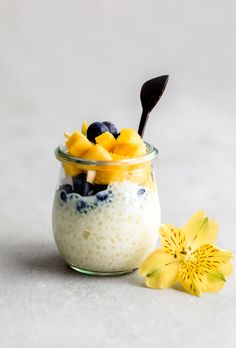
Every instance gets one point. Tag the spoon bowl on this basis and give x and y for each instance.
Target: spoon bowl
(150, 94)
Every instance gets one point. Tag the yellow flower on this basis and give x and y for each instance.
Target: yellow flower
(188, 256)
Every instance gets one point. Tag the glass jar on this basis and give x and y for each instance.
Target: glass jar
(106, 215)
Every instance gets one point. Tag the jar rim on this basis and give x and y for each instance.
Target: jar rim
(62, 155)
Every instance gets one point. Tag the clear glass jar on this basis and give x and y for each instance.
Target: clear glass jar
(106, 215)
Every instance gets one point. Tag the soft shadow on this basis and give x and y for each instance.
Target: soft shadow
(43, 259)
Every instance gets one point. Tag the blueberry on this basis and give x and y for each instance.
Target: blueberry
(141, 191)
(82, 186)
(67, 188)
(98, 188)
(112, 128)
(95, 129)
(81, 206)
(63, 196)
(102, 196)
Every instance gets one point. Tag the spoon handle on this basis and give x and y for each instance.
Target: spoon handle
(142, 123)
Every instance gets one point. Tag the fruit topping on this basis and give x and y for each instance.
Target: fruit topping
(129, 135)
(107, 140)
(95, 129)
(78, 144)
(102, 196)
(141, 191)
(67, 188)
(63, 196)
(81, 186)
(130, 150)
(112, 128)
(98, 153)
(82, 206)
(98, 188)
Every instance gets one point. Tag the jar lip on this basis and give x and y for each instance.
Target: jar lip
(62, 155)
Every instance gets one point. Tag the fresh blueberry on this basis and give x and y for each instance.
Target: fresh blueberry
(141, 191)
(102, 196)
(95, 129)
(81, 206)
(82, 186)
(112, 128)
(67, 188)
(63, 196)
(98, 188)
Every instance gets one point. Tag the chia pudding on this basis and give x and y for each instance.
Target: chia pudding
(110, 231)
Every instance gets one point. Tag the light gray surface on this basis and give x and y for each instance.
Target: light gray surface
(62, 61)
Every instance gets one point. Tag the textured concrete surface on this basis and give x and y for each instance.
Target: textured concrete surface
(62, 61)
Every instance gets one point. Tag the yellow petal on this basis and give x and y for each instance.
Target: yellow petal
(208, 258)
(160, 270)
(200, 230)
(226, 269)
(173, 241)
(215, 281)
(213, 286)
(190, 278)
(163, 278)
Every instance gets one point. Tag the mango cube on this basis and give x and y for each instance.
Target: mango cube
(107, 140)
(129, 135)
(98, 153)
(78, 144)
(130, 150)
(71, 169)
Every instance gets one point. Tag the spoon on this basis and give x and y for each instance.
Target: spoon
(150, 94)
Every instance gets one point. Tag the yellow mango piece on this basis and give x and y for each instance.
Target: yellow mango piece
(116, 157)
(84, 128)
(110, 175)
(130, 150)
(129, 135)
(107, 140)
(97, 153)
(72, 138)
(79, 146)
(71, 169)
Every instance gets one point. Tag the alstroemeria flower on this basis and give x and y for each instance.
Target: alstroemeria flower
(188, 256)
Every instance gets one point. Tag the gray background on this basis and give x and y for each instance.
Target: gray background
(65, 60)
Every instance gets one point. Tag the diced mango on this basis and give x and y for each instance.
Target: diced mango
(130, 150)
(129, 135)
(78, 145)
(107, 140)
(71, 169)
(110, 175)
(74, 137)
(98, 153)
(116, 157)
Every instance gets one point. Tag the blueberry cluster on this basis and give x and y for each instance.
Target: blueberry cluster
(82, 205)
(81, 186)
(97, 128)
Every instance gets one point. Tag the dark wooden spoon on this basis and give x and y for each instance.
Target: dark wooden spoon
(151, 92)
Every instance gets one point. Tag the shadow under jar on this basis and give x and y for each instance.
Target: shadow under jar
(106, 215)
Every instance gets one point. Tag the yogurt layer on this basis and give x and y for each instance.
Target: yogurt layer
(111, 231)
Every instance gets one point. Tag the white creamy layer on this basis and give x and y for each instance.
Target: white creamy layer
(115, 234)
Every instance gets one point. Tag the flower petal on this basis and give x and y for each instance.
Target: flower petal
(215, 281)
(173, 241)
(160, 270)
(163, 278)
(208, 258)
(200, 230)
(190, 278)
(226, 269)
(158, 258)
